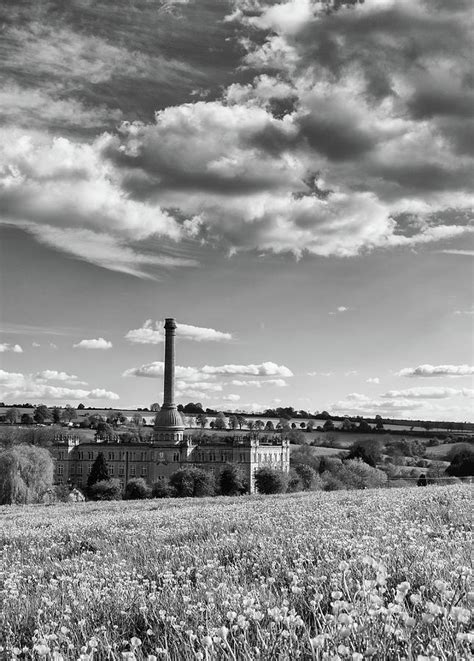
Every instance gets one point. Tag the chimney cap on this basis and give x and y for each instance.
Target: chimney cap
(170, 323)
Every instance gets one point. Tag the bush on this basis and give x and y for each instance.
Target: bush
(192, 482)
(368, 451)
(137, 489)
(462, 463)
(269, 480)
(294, 482)
(105, 490)
(307, 476)
(356, 474)
(162, 490)
(230, 481)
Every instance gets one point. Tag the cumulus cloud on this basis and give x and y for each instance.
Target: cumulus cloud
(153, 333)
(99, 343)
(210, 372)
(374, 379)
(437, 371)
(15, 348)
(231, 398)
(253, 383)
(14, 385)
(54, 375)
(344, 138)
(320, 373)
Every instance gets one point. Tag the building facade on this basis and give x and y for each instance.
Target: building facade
(171, 448)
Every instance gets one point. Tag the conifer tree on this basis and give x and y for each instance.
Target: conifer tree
(99, 471)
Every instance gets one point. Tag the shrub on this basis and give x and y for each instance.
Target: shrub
(230, 481)
(356, 474)
(137, 489)
(105, 490)
(269, 480)
(307, 476)
(294, 482)
(462, 463)
(99, 471)
(192, 482)
(369, 451)
(161, 490)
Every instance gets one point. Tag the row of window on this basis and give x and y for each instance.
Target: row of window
(111, 469)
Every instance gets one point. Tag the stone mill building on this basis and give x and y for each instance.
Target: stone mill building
(172, 446)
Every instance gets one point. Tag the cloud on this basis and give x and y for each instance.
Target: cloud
(15, 348)
(231, 398)
(437, 371)
(428, 393)
(374, 379)
(464, 311)
(339, 310)
(467, 253)
(98, 343)
(320, 373)
(15, 385)
(351, 373)
(153, 333)
(54, 375)
(263, 369)
(253, 383)
(35, 344)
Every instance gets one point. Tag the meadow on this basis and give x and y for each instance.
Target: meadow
(379, 574)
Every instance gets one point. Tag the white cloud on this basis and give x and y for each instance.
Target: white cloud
(98, 343)
(15, 348)
(263, 369)
(428, 392)
(320, 373)
(54, 375)
(152, 332)
(231, 398)
(437, 371)
(254, 383)
(340, 310)
(35, 344)
(15, 385)
(374, 379)
(464, 311)
(466, 253)
(350, 373)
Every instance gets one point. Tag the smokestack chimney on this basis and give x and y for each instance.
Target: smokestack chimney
(168, 394)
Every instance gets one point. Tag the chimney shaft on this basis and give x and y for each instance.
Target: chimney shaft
(168, 395)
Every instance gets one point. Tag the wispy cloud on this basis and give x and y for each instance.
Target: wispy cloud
(152, 332)
(437, 371)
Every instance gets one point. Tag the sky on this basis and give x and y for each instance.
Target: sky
(292, 181)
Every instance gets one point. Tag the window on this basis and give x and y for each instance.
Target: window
(91, 455)
(143, 456)
(132, 471)
(111, 456)
(111, 471)
(176, 456)
(80, 455)
(144, 471)
(79, 470)
(242, 457)
(121, 470)
(60, 454)
(60, 469)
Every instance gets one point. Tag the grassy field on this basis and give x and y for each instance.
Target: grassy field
(347, 575)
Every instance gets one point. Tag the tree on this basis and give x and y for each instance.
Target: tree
(201, 420)
(240, 420)
(12, 416)
(230, 481)
(26, 472)
(328, 425)
(220, 422)
(99, 471)
(283, 424)
(26, 419)
(269, 426)
(462, 463)
(294, 482)
(115, 417)
(137, 419)
(161, 489)
(378, 423)
(192, 482)
(136, 489)
(250, 424)
(269, 480)
(56, 415)
(103, 429)
(307, 476)
(296, 437)
(233, 422)
(356, 474)
(80, 407)
(368, 451)
(310, 425)
(41, 414)
(364, 427)
(69, 413)
(155, 407)
(346, 425)
(105, 490)
(259, 425)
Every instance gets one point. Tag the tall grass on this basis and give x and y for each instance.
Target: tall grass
(346, 575)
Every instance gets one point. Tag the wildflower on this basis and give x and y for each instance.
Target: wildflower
(135, 642)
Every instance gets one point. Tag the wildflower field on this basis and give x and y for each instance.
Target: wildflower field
(376, 574)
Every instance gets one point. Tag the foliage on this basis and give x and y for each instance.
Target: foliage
(56, 415)
(233, 422)
(69, 413)
(161, 489)
(328, 425)
(26, 472)
(26, 419)
(314, 576)
(201, 420)
(296, 436)
(105, 490)
(155, 407)
(136, 489)
(220, 422)
(41, 414)
(99, 471)
(192, 482)
(307, 476)
(12, 416)
(230, 480)
(462, 463)
(356, 474)
(366, 450)
(269, 480)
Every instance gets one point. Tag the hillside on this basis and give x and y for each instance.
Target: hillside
(379, 574)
